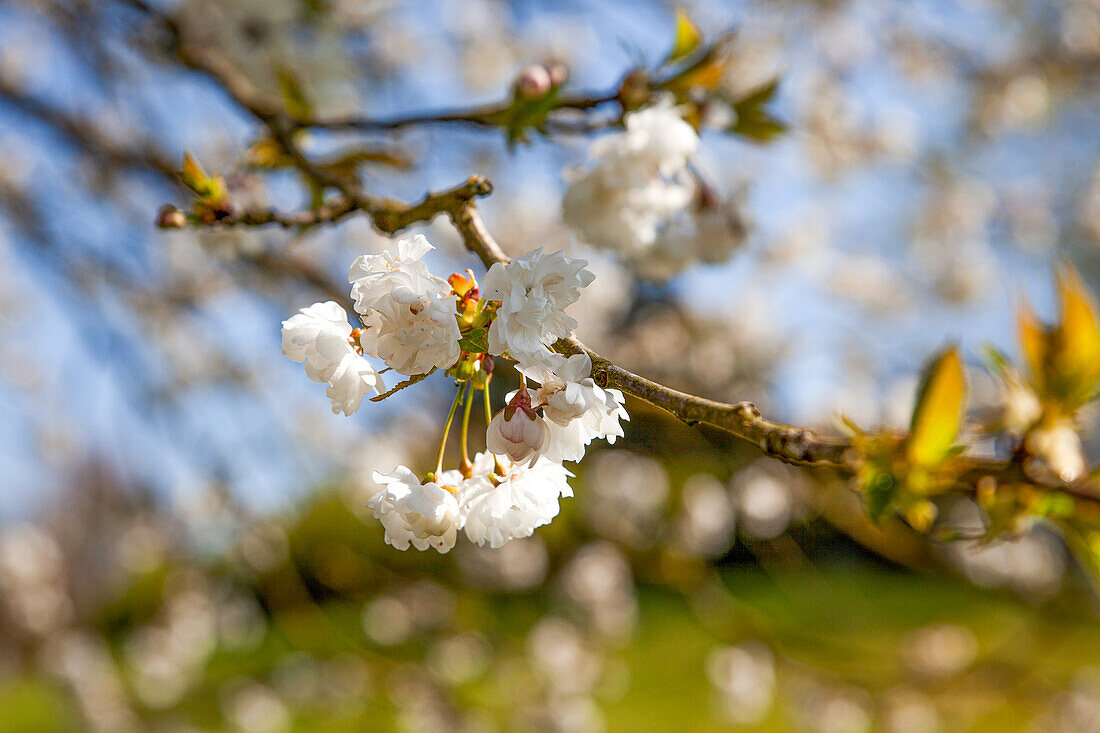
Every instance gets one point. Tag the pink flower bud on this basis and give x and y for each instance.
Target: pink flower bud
(533, 82)
(518, 431)
(558, 74)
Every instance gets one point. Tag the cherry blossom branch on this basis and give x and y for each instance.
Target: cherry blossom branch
(388, 215)
(791, 444)
(787, 443)
(482, 117)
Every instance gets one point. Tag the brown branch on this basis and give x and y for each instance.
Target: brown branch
(389, 216)
(484, 117)
(171, 217)
(787, 443)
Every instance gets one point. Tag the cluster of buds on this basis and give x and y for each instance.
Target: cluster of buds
(536, 81)
(475, 315)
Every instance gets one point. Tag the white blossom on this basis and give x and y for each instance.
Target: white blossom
(706, 234)
(640, 179)
(321, 336)
(627, 219)
(413, 332)
(567, 389)
(524, 498)
(427, 515)
(600, 421)
(409, 314)
(373, 277)
(658, 137)
(534, 291)
(352, 378)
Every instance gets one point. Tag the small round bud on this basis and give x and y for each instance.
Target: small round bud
(558, 74)
(533, 82)
(465, 369)
(634, 91)
(169, 217)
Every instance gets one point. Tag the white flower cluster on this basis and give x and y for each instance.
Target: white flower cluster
(321, 336)
(500, 501)
(534, 290)
(414, 322)
(640, 180)
(707, 233)
(409, 314)
(408, 322)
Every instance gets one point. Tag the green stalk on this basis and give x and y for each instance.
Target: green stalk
(446, 430)
(466, 427)
(488, 407)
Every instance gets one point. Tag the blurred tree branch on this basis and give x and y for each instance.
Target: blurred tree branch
(86, 135)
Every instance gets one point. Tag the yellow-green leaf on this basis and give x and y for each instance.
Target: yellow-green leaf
(687, 40)
(294, 97)
(1077, 360)
(475, 342)
(193, 175)
(705, 74)
(266, 153)
(1033, 343)
(939, 410)
(751, 119)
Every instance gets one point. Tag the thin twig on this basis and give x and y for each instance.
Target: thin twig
(414, 379)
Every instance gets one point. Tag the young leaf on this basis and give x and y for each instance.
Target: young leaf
(759, 96)
(1033, 342)
(705, 74)
(995, 360)
(1077, 360)
(294, 97)
(475, 342)
(752, 120)
(879, 495)
(939, 410)
(192, 175)
(687, 40)
(759, 126)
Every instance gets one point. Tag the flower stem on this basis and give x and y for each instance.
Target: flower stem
(466, 465)
(488, 407)
(446, 431)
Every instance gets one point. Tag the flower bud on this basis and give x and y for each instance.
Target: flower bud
(481, 376)
(533, 82)
(558, 74)
(462, 284)
(634, 91)
(465, 368)
(517, 431)
(169, 217)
